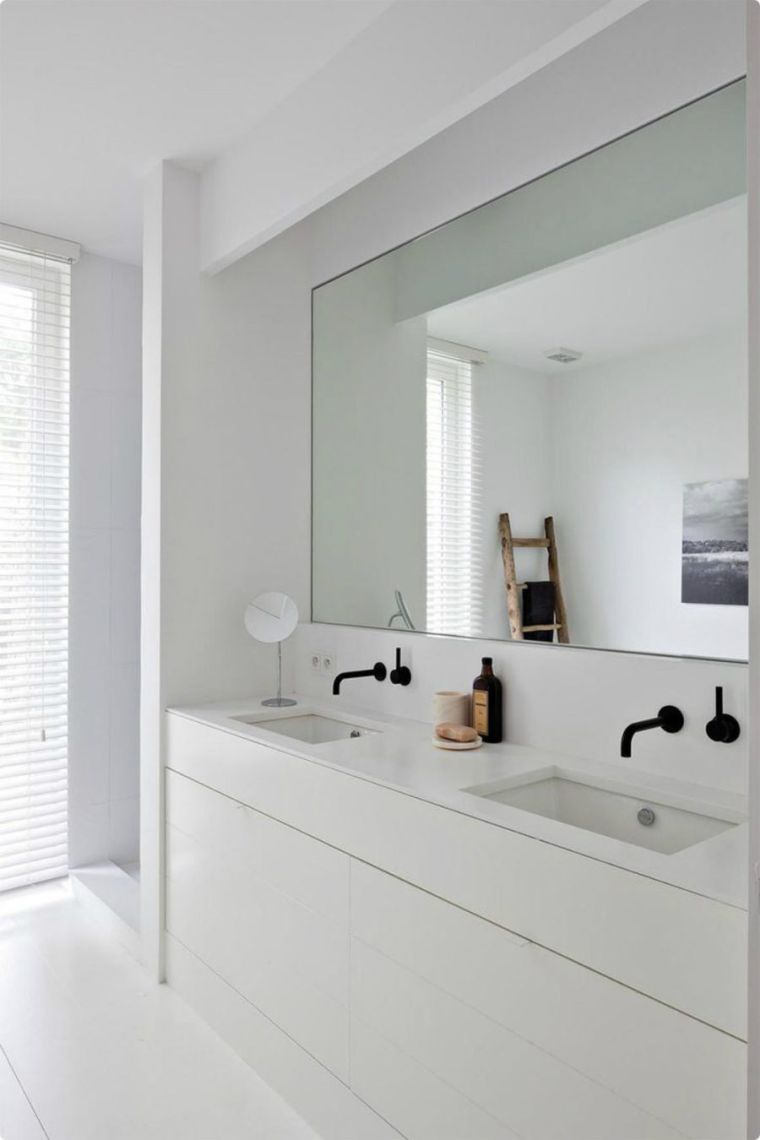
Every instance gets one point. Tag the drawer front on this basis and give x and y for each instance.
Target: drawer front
(325, 1102)
(267, 909)
(685, 950)
(518, 1085)
(547, 1046)
(416, 1102)
(292, 863)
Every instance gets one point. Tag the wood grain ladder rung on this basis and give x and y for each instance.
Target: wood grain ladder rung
(540, 628)
(544, 542)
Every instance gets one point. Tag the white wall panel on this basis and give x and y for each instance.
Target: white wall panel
(104, 620)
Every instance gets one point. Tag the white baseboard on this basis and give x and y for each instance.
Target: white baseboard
(113, 897)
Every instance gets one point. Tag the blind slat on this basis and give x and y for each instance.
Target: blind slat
(453, 590)
(34, 460)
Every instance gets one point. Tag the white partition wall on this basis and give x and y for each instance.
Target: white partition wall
(170, 319)
(225, 508)
(104, 571)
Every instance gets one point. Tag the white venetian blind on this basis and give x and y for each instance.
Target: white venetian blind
(453, 585)
(34, 509)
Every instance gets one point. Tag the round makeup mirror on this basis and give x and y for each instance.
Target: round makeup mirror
(273, 617)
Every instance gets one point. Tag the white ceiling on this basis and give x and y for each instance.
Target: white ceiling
(93, 93)
(672, 284)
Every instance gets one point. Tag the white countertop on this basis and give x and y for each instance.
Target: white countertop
(400, 755)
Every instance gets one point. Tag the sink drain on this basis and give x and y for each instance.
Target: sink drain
(646, 816)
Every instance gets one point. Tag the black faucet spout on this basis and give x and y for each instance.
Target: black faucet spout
(378, 671)
(669, 719)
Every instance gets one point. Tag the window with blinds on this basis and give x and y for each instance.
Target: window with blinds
(34, 506)
(453, 586)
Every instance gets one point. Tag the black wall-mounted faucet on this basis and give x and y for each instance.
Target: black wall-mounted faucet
(402, 674)
(669, 719)
(378, 671)
(723, 728)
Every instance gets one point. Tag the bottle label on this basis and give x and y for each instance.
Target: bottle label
(480, 712)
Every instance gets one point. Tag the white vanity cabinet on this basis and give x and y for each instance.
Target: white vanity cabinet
(450, 1023)
(265, 907)
(540, 1044)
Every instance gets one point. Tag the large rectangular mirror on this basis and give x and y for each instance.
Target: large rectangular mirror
(531, 423)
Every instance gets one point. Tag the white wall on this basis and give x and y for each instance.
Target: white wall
(104, 617)
(225, 506)
(512, 422)
(626, 436)
(572, 701)
(236, 506)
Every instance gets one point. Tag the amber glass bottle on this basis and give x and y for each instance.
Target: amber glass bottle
(487, 704)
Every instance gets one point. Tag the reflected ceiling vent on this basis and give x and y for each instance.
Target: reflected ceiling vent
(563, 355)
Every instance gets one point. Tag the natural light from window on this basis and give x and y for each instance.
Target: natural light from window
(453, 578)
(34, 504)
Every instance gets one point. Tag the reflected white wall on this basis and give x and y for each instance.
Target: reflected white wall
(626, 436)
(369, 470)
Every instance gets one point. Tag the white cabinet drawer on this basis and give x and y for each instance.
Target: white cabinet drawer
(267, 909)
(515, 1083)
(289, 861)
(548, 1047)
(410, 1097)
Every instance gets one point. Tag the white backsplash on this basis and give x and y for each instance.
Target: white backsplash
(574, 701)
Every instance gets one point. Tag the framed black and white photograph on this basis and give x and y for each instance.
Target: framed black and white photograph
(715, 550)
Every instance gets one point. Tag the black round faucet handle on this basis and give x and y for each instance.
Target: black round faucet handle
(723, 728)
(402, 674)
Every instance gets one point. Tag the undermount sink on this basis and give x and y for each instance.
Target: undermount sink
(309, 727)
(625, 813)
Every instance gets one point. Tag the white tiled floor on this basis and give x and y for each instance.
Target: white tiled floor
(92, 1049)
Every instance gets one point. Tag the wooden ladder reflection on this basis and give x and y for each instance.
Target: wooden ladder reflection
(514, 608)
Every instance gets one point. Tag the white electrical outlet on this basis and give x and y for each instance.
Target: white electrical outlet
(329, 664)
(316, 663)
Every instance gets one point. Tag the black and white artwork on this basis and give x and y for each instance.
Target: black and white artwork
(715, 558)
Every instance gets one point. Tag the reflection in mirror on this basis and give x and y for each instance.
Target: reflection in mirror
(531, 422)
